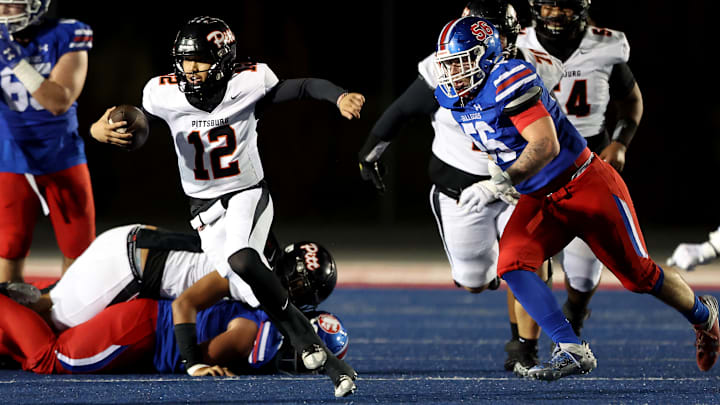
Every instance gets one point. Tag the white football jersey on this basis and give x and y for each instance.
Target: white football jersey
(584, 90)
(217, 151)
(451, 144)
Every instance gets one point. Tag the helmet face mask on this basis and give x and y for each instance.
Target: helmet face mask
(309, 273)
(560, 19)
(467, 51)
(31, 14)
(208, 40)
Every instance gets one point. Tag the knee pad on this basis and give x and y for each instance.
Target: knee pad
(582, 284)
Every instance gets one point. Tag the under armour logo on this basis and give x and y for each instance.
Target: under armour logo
(43, 48)
(9, 54)
(477, 107)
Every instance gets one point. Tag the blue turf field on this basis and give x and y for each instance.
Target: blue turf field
(435, 347)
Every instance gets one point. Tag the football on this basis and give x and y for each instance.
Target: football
(137, 124)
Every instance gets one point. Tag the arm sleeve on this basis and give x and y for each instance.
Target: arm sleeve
(622, 81)
(418, 99)
(300, 89)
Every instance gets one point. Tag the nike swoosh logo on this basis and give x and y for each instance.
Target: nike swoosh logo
(287, 301)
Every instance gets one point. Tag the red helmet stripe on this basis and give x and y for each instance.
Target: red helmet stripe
(443, 34)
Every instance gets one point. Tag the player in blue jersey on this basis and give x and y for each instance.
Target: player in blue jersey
(137, 336)
(565, 192)
(43, 64)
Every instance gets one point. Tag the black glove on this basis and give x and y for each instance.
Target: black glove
(373, 171)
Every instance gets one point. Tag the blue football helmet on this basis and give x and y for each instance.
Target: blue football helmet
(331, 331)
(33, 12)
(570, 21)
(467, 50)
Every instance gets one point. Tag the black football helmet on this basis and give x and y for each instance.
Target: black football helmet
(502, 15)
(309, 273)
(560, 26)
(209, 40)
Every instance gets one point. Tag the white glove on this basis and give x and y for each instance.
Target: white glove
(507, 193)
(688, 255)
(480, 194)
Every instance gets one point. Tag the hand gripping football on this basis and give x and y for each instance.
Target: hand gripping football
(137, 124)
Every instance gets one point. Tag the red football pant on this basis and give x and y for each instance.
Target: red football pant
(72, 211)
(121, 337)
(596, 206)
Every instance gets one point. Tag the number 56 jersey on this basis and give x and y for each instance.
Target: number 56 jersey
(217, 151)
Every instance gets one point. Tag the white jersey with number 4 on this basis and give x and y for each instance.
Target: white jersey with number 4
(584, 91)
(217, 151)
(451, 144)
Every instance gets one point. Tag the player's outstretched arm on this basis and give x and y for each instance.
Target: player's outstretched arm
(103, 131)
(348, 103)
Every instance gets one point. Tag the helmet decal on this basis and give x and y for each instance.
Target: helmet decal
(308, 272)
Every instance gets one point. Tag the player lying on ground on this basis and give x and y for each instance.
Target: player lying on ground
(132, 261)
(138, 336)
(565, 192)
(211, 105)
(141, 261)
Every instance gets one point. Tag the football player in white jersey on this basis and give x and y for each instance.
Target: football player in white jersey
(596, 73)
(211, 105)
(688, 255)
(127, 262)
(471, 238)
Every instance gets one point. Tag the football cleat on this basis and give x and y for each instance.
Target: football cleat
(521, 352)
(707, 336)
(314, 357)
(342, 375)
(22, 293)
(344, 386)
(567, 359)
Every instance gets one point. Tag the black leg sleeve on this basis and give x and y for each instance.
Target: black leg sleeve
(274, 299)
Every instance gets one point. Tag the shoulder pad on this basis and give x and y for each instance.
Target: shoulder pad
(525, 101)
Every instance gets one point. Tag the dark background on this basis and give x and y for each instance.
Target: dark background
(309, 151)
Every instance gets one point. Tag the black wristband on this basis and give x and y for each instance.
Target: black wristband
(624, 131)
(186, 338)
